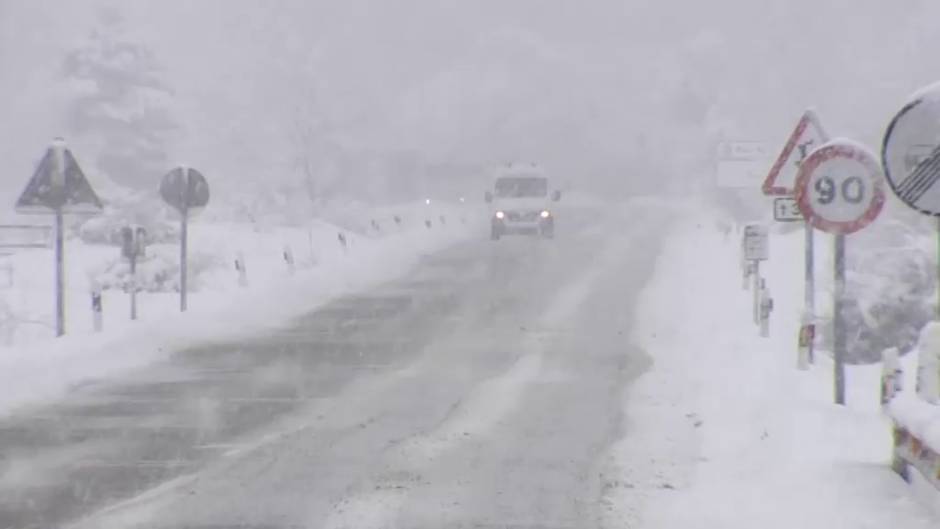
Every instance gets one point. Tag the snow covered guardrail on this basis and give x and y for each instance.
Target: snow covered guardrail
(916, 415)
(916, 438)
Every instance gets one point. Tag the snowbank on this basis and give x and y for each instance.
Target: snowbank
(724, 431)
(919, 419)
(35, 367)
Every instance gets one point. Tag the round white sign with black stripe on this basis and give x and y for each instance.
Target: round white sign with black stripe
(910, 154)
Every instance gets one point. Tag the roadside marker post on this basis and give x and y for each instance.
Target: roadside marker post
(781, 182)
(766, 307)
(185, 190)
(134, 242)
(289, 259)
(756, 249)
(59, 187)
(96, 308)
(242, 270)
(839, 191)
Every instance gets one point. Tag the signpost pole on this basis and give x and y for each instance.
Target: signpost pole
(839, 191)
(183, 272)
(809, 292)
(838, 319)
(59, 273)
(133, 287)
(756, 288)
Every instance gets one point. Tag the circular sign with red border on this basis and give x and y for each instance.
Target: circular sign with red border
(839, 187)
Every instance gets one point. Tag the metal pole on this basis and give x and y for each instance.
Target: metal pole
(838, 321)
(809, 292)
(133, 287)
(756, 288)
(938, 267)
(183, 272)
(59, 273)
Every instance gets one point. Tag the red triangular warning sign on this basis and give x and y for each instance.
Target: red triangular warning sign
(807, 135)
(52, 188)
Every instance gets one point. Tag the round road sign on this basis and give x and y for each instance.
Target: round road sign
(185, 189)
(910, 154)
(839, 187)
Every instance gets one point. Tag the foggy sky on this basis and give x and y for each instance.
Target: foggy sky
(607, 93)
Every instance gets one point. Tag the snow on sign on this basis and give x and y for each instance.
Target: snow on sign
(756, 244)
(807, 135)
(910, 155)
(839, 187)
(58, 185)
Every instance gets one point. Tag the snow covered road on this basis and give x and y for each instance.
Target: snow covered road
(483, 389)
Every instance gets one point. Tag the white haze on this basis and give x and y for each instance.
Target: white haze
(610, 95)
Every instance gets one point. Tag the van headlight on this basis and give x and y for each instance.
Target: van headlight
(500, 215)
(546, 213)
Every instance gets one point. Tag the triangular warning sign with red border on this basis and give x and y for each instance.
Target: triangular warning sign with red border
(807, 135)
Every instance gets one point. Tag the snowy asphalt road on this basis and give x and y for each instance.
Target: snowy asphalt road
(480, 391)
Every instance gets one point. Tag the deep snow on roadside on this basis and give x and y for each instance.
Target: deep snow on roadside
(724, 431)
(36, 367)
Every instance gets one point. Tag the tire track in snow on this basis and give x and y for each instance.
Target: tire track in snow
(378, 502)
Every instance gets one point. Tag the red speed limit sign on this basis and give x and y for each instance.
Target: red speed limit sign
(839, 187)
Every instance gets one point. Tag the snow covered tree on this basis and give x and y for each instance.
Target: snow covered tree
(120, 104)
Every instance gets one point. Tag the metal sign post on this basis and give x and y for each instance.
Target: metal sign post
(58, 186)
(59, 273)
(184, 261)
(839, 191)
(838, 318)
(186, 190)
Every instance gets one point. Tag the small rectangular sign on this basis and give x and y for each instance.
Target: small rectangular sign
(23, 236)
(787, 210)
(756, 243)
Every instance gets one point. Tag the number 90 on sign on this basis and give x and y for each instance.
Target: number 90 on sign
(839, 188)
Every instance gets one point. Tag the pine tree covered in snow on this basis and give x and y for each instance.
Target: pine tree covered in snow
(120, 104)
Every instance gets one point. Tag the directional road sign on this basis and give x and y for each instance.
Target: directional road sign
(58, 185)
(839, 187)
(786, 209)
(807, 135)
(910, 155)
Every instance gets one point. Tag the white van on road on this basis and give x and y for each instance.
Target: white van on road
(520, 202)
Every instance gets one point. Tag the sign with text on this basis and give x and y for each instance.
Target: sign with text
(786, 209)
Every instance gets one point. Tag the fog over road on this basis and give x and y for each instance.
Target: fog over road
(481, 390)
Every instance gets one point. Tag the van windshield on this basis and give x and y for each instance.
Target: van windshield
(521, 186)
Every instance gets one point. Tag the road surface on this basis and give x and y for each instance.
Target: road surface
(482, 390)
